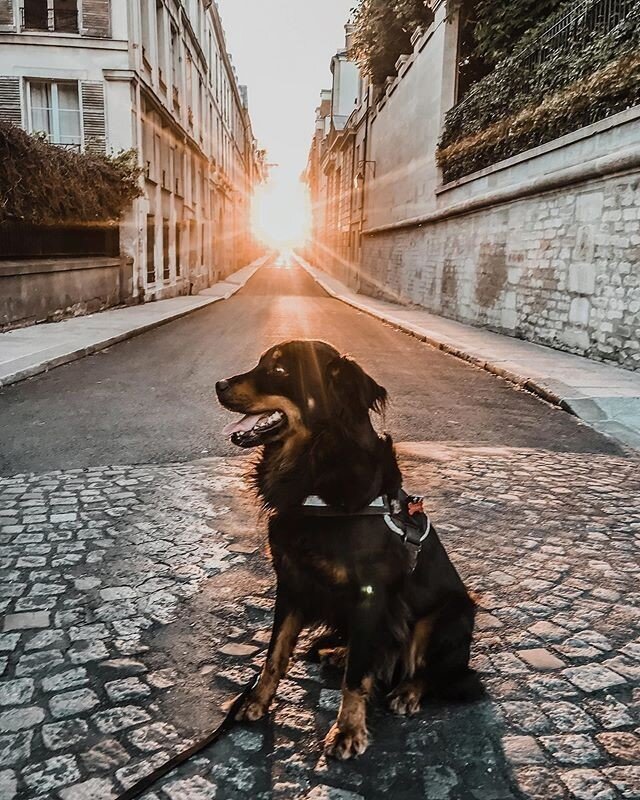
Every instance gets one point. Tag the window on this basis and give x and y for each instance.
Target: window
(62, 15)
(175, 60)
(65, 15)
(54, 109)
(166, 264)
(151, 247)
(178, 249)
(35, 15)
(144, 28)
(162, 47)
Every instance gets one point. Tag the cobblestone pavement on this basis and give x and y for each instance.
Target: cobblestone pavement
(136, 600)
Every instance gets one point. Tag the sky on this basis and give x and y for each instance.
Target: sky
(282, 50)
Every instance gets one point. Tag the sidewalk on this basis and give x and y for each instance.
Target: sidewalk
(26, 352)
(604, 396)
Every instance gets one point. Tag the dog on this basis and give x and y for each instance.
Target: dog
(404, 613)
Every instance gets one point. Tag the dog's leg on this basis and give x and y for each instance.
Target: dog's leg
(287, 624)
(406, 698)
(349, 736)
(439, 657)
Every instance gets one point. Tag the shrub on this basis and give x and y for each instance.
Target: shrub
(489, 125)
(502, 23)
(609, 90)
(46, 185)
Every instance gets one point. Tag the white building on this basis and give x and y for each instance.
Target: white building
(109, 75)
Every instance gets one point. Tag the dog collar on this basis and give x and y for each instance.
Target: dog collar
(315, 505)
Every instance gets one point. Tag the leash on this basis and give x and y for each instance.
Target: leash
(148, 781)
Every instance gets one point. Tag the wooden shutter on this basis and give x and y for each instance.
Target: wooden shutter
(93, 120)
(96, 18)
(10, 107)
(6, 15)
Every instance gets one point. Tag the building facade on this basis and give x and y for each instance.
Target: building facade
(542, 245)
(335, 168)
(154, 75)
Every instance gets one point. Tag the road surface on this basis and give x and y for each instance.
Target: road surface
(151, 399)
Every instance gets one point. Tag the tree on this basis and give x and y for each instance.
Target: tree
(383, 32)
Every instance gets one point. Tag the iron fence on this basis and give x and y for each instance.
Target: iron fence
(19, 240)
(585, 18)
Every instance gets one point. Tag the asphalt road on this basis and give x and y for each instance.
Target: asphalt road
(151, 399)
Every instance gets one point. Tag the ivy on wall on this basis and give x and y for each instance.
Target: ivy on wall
(47, 185)
(520, 105)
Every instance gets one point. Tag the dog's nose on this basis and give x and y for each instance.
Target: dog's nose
(222, 386)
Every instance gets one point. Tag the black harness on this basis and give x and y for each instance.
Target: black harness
(403, 514)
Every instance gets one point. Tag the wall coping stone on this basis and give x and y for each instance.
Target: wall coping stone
(32, 266)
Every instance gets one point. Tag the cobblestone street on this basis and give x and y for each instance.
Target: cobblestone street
(136, 600)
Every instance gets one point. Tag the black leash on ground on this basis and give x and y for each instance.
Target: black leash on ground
(148, 781)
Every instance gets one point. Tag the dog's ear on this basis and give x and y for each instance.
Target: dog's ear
(353, 389)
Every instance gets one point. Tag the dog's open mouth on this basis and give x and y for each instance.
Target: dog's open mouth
(254, 429)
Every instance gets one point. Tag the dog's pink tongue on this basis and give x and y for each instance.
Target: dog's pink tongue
(245, 424)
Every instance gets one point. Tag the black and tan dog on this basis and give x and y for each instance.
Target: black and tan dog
(407, 625)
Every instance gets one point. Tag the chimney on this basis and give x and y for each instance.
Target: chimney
(349, 30)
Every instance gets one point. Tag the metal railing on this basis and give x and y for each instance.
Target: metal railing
(22, 240)
(585, 18)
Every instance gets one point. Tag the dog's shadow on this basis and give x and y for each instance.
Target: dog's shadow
(444, 753)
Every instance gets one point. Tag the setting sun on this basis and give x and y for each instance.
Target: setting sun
(281, 212)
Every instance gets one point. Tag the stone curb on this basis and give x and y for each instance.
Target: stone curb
(234, 282)
(627, 436)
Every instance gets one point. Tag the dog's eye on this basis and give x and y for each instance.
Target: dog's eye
(278, 370)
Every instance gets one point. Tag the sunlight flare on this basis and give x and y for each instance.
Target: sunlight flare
(281, 213)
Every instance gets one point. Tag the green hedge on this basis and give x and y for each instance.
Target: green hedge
(517, 107)
(46, 185)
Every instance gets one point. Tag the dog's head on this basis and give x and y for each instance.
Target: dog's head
(296, 389)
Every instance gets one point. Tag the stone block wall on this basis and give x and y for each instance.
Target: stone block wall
(560, 268)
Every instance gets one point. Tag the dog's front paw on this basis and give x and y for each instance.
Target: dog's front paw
(344, 744)
(405, 701)
(252, 710)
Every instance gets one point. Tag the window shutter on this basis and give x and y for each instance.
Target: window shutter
(93, 121)
(96, 18)
(6, 15)
(10, 107)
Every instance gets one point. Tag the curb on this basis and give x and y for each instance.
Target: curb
(464, 355)
(244, 274)
(625, 436)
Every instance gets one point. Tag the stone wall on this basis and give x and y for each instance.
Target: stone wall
(544, 246)
(50, 289)
(561, 268)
